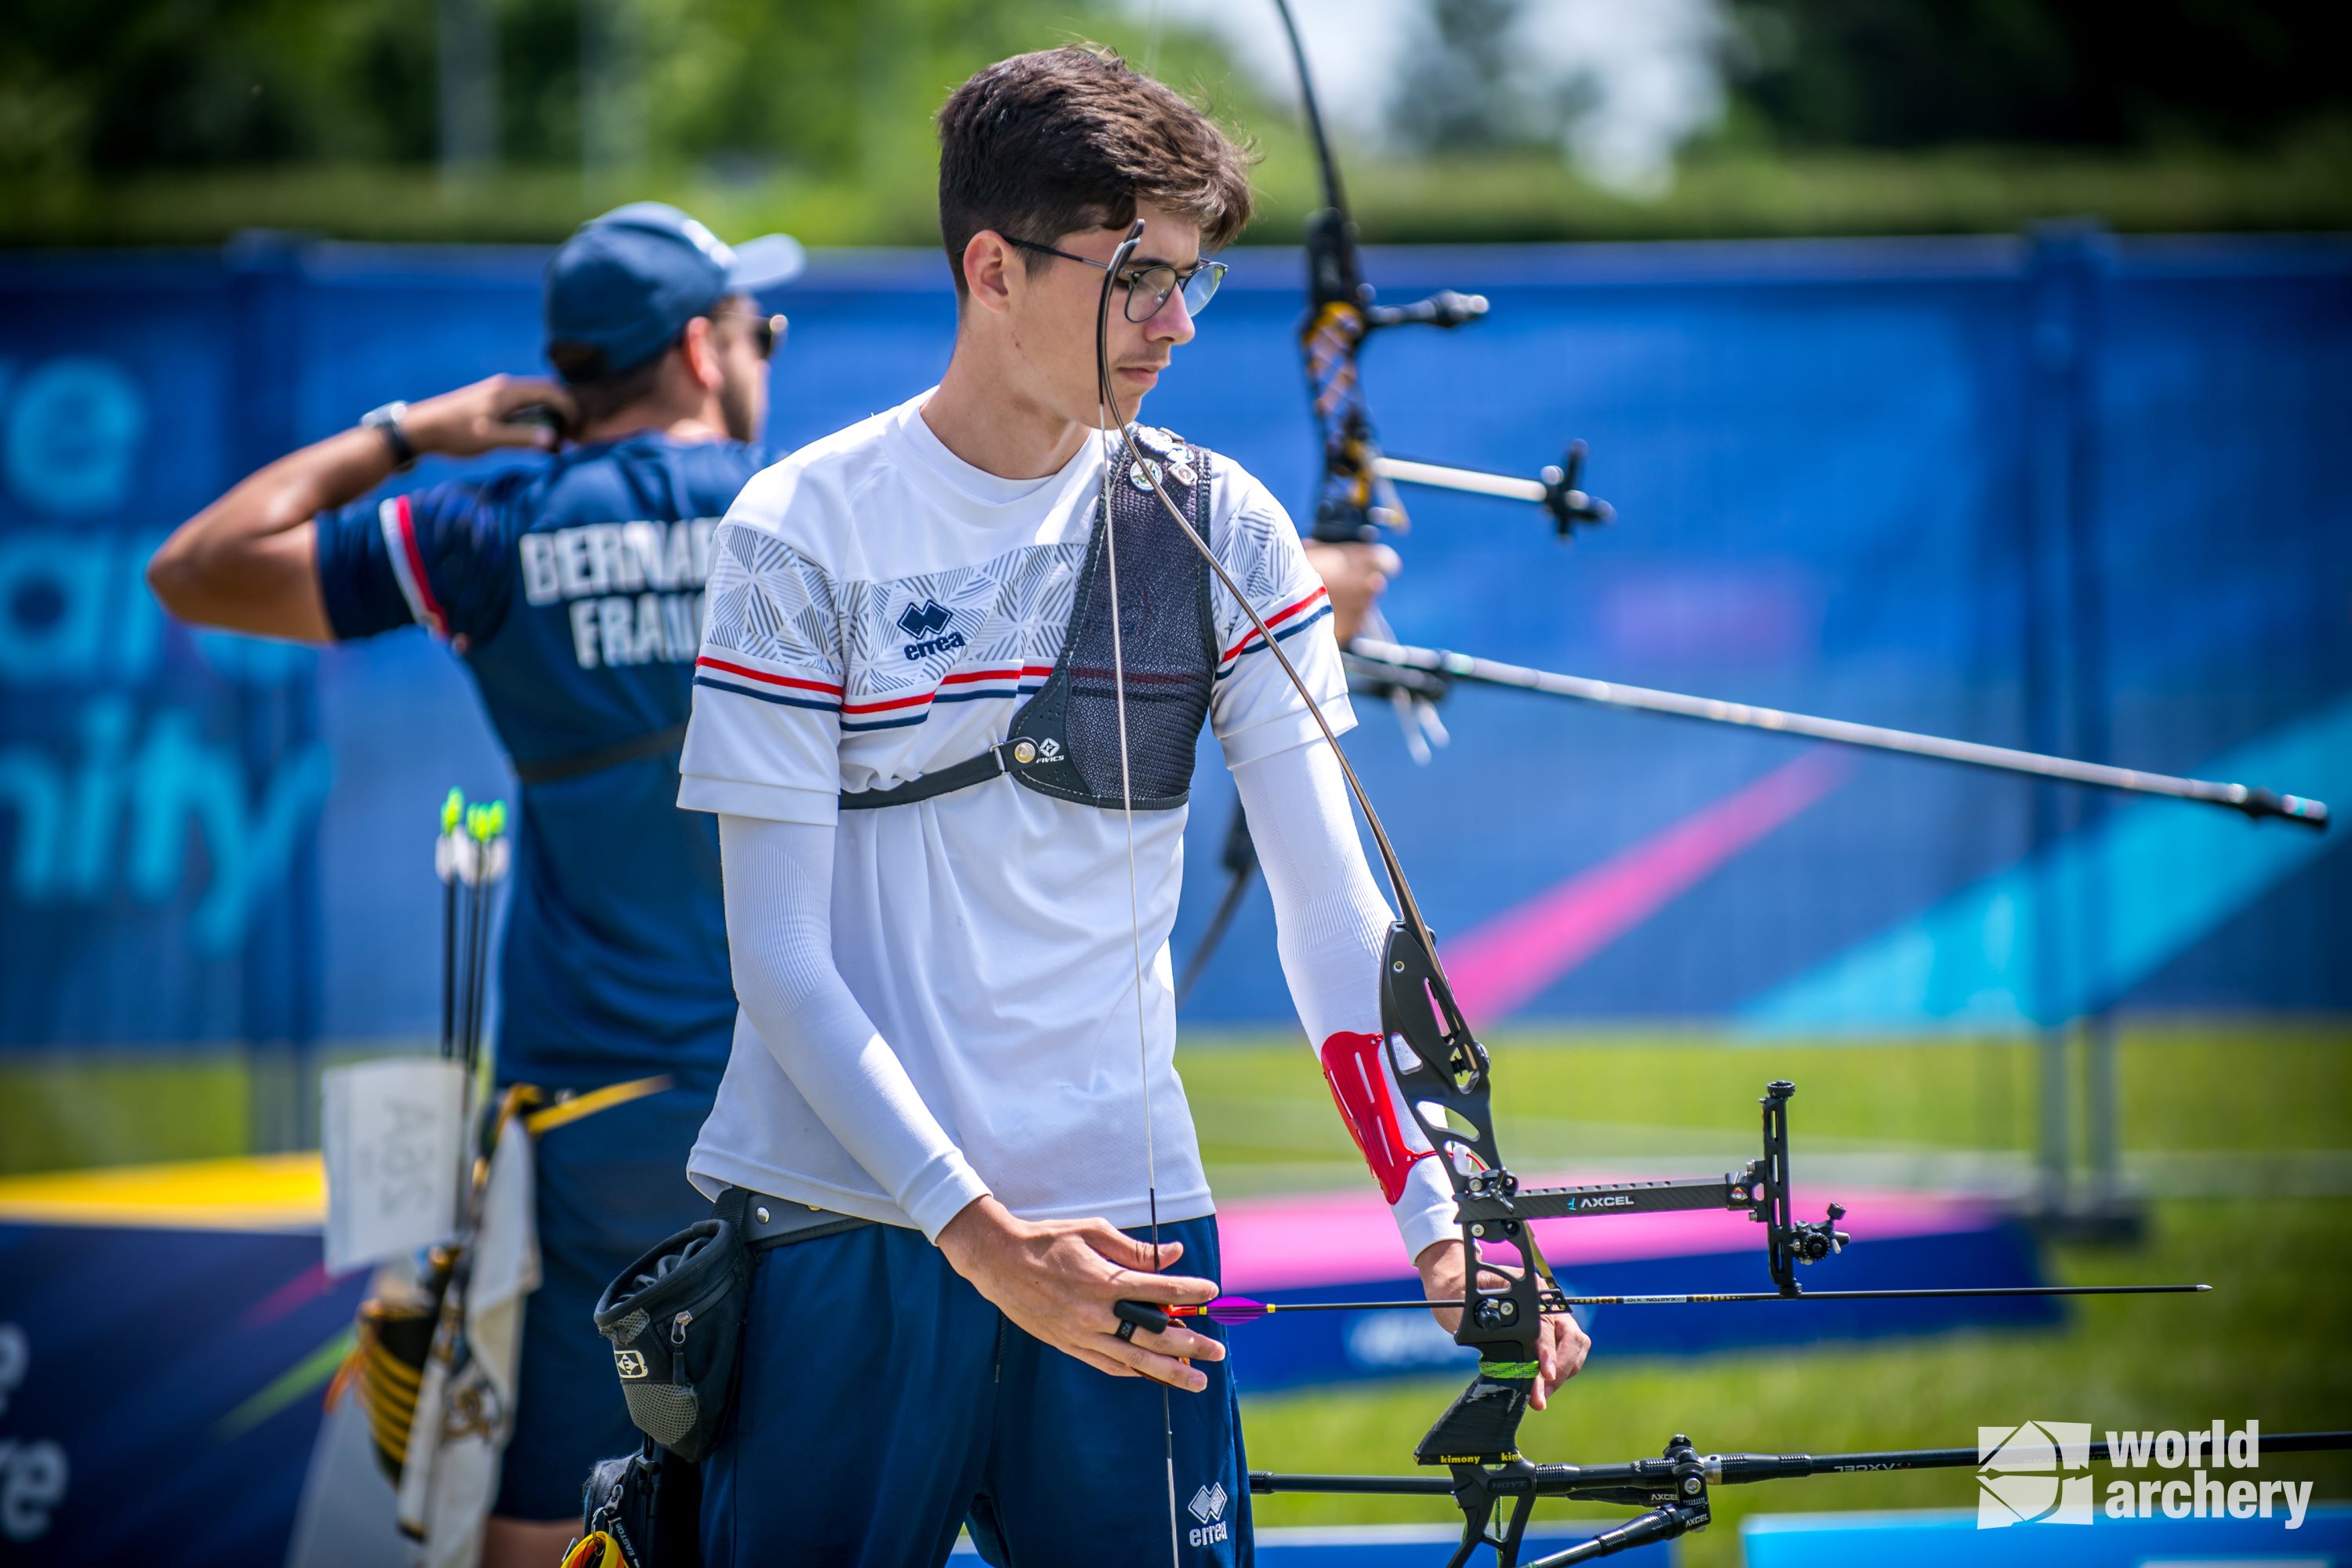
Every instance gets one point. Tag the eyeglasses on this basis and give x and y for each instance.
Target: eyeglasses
(766, 332)
(1148, 288)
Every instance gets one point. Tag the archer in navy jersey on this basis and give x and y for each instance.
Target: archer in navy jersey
(573, 592)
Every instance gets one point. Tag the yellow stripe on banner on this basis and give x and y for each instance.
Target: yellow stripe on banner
(564, 1111)
(272, 1192)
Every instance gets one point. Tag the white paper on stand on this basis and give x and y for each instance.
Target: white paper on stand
(394, 1132)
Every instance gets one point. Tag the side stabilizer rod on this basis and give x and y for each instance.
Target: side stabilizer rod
(1558, 490)
(1370, 656)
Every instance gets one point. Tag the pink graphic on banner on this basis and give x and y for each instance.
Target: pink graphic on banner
(1507, 962)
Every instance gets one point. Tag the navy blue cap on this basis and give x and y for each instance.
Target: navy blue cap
(629, 281)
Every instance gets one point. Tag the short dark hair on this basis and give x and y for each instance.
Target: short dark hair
(599, 393)
(1045, 143)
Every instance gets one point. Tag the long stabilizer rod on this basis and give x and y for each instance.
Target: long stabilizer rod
(1370, 656)
(1724, 1469)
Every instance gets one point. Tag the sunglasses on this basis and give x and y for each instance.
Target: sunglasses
(1148, 288)
(766, 332)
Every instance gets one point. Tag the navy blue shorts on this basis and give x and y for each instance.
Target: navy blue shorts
(884, 1404)
(610, 1186)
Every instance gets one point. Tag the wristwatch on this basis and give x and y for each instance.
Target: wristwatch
(386, 419)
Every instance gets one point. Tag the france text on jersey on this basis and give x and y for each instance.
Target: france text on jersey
(633, 590)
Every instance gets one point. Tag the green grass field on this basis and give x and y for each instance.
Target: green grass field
(2236, 1111)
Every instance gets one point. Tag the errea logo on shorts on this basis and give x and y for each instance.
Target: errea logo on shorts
(1208, 1506)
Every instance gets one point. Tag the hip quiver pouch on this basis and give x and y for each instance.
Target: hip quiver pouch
(675, 1319)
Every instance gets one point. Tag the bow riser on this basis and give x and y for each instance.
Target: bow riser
(1442, 1072)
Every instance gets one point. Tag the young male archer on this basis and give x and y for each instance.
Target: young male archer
(946, 708)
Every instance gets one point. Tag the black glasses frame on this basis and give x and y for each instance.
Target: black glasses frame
(1214, 271)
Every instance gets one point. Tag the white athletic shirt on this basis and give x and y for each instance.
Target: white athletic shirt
(877, 609)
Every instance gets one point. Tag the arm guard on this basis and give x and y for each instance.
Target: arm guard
(1360, 1084)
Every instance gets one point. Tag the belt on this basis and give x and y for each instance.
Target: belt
(775, 1221)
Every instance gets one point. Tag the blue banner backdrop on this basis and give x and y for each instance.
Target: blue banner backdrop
(2055, 492)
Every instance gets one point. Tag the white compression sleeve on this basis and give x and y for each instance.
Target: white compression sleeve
(1330, 921)
(779, 895)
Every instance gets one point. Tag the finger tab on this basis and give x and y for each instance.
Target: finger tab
(1145, 1317)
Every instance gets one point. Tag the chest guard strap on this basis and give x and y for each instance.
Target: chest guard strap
(1064, 740)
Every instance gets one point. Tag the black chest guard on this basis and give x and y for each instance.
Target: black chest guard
(1064, 740)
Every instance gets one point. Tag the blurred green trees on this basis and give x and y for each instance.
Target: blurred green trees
(746, 85)
(1901, 74)
(180, 121)
(187, 120)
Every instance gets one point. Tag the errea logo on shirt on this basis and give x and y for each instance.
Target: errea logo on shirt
(924, 623)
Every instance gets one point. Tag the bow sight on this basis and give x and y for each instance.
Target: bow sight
(1498, 1209)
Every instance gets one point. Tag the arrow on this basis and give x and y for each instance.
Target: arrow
(1234, 1310)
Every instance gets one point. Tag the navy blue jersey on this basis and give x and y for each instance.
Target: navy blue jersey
(573, 592)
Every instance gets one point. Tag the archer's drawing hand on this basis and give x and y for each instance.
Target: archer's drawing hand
(1354, 576)
(480, 418)
(1560, 1354)
(1057, 1280)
